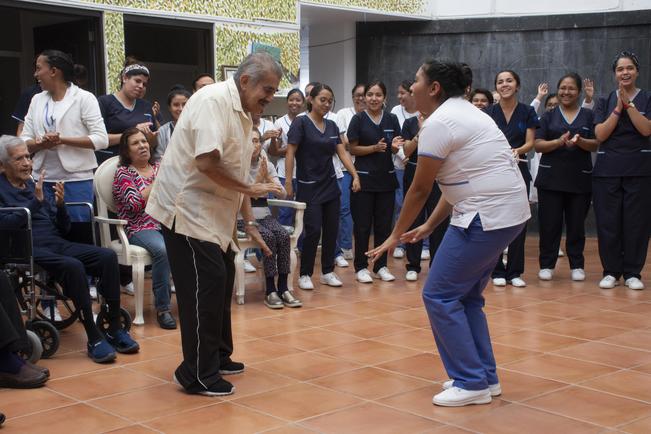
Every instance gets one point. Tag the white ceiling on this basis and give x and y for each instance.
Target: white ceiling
(319, 14)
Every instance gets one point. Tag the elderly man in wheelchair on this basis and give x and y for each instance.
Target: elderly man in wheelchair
(67, 262)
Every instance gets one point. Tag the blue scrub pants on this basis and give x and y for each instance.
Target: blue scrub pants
(400, 174)
(74, 191)
(286, 215)
(345, 236)
(454, 302)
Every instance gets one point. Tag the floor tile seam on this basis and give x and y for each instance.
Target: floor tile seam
(116, 394)
(216, 400)
(584, 385)
(147, 374)
(549, 353)
(525, 404)
(415, 377)
(403, 346)
(106, 411)
(628, 347)
(413, 412)
(555, 352)
(300, 351)
(58, 407)
(140, 425)
(510, 369)
(373, 399)
(622, 425)
(387, 323)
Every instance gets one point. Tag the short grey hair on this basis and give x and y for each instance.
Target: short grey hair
(256, 65)
(7, 143)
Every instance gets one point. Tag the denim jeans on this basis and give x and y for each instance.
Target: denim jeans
(152, 241)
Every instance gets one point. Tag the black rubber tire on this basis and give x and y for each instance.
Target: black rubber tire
(49, 336)
(103, 322)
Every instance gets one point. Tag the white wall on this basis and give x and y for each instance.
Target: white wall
(491, 8)
(332, 59)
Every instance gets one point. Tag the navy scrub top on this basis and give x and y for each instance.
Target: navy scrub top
(315, 173)
(523, 118)
(376, 170)
(118, 118)
(626, 152)
(565, 169)
(410, 129)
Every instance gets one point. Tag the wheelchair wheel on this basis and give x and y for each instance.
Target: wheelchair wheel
(102, 320)
(32, 353)
(49, 336)
(64, 314)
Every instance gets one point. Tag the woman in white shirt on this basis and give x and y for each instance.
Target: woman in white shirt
(463, 150)
(63, 128)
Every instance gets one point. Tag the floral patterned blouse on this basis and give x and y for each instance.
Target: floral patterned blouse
(127, 187)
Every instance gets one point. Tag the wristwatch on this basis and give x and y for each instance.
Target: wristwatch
(628, 105)
(251, 223)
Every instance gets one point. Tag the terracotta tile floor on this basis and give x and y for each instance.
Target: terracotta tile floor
(572, 359)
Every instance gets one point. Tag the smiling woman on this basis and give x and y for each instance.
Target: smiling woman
(463, 150)
(622, 176)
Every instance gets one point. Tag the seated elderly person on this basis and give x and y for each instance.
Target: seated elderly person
(15, 373)
(67, 262)
(277, 261)
(131, 187)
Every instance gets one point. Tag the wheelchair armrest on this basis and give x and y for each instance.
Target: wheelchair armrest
(27, 212)
(91, 214)
(108, 221)
(286, 203)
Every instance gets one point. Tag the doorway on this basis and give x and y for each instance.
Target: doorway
(27, 29)
(174, 51)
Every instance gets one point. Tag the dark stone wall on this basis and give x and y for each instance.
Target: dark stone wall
(540, 48)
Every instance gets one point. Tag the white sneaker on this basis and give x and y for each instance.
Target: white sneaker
(578, 275)
(411, 276)
(546, 274)
(424, 255)
(494, 389)
(348, 254)
(518, 282)
(499, 281)
(341, 262)
(305, 282)
(561, 253)
(364, 276)
(128, 288)
(92, 289)
(330, 279)
(608, 282)
(248, 267)
(172, 288)
(457, 397)
(634, 283)
(398, 253)
(384, 274)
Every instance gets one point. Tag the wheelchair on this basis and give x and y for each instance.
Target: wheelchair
(40, 297)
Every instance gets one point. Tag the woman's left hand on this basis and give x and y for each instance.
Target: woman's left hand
(388, 244)
(356, 185)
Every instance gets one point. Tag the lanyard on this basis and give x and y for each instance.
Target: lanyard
(50, 122)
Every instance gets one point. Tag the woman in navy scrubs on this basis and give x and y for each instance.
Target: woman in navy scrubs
(313, 140)
(374, 137)
(621, 180)
(126, 109)
(518, 122)
(464, 151)
(410, 130)
(564, 181)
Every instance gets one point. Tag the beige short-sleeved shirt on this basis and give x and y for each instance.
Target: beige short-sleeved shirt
(213, 119)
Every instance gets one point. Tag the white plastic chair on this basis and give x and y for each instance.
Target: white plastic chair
(128, 254)
(245, 242)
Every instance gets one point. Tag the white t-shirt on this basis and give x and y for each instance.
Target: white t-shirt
(402, 114)
(479, 174)
(265, 125)
(283, 124)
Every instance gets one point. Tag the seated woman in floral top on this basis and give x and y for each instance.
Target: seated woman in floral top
(131, 187)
